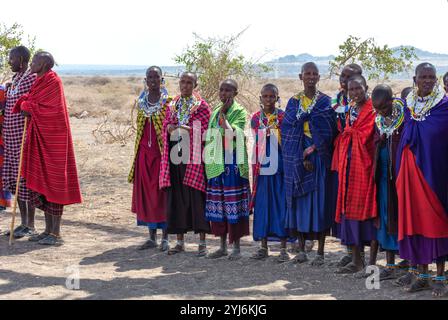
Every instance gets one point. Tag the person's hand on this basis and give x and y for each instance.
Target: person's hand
(308, 165)
(186, 128)
(170, 128)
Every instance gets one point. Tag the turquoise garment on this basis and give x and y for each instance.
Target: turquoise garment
(387, 241)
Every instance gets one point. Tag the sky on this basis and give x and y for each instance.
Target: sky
(148, 32)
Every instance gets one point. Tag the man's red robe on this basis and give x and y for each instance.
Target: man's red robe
(49, 165)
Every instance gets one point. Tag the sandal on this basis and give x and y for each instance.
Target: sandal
(283, 257)
(177, 249)
(363, 274)
(418, 285)
(17, 230)
(318, 261)
(439, 289)
(149, 244)
(309, 245)
(405, 280)
(388, 274)
(164, 245)
(50, 240)
(218, 254)
(344, 261)
(351, 268)
(261, 254)
(202, 251)
(300, 258)
(235, 255)
(404, 265)
(38, 237)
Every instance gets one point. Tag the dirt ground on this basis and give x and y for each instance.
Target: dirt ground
(101, 240)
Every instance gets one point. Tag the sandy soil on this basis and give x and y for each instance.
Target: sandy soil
(101, 237)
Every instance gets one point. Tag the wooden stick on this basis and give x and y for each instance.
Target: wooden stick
(19, 173)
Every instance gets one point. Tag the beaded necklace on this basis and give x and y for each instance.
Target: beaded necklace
(183, 108)
(429, 102)
(271, 120)
(152, 109)
(397, 118)
(301, 110)
(14, 89)
(149, 108)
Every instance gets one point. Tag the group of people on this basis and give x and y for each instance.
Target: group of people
(35, 132)
(366, 167)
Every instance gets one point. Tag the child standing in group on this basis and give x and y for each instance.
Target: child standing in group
(227, 169)
(389, 125)
(148, 201)
(268, 198)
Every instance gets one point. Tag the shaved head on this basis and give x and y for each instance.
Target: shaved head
(190, 75)
(425, 65)
(309, 65)
(355, 68)
(382, 92)
(46, 58)
(231, 83)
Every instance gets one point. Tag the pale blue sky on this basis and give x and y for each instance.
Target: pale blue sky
(144, 32)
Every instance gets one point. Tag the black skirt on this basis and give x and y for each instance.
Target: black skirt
(186, 205)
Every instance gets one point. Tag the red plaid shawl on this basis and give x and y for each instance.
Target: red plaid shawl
(49, 166)
(195, 173)
(358, 201)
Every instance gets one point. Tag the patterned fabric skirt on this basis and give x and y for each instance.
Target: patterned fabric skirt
(227, 203)
(5, 196)
(12, 138)
(39, 201)
(228, 196)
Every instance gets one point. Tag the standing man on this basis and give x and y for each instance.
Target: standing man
(22, 81)
(49, 166)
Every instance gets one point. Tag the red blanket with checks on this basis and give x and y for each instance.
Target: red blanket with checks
(49, 166)
(357, 200)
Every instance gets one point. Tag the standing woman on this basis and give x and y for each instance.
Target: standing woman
(268, 197)
(227, 169)
(422, 180)
(182, 170)
(22, 81)
(148, 201)
(353, 159)
(308, 131)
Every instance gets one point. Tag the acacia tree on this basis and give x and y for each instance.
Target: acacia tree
(10, 37)
(379, 62)
(216, 59)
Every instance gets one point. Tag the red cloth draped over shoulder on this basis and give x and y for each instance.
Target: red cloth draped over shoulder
(49, 165)
(358, 201)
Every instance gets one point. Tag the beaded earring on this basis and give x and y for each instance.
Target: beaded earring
(279, 102)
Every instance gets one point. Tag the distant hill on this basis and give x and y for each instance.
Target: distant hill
(304, 57)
